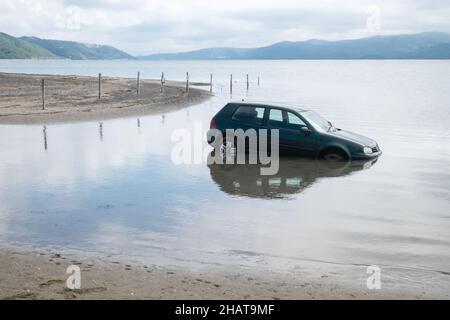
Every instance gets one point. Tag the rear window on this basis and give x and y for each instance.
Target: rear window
(249, 114)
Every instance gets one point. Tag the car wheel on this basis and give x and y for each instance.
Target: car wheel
(334, 155)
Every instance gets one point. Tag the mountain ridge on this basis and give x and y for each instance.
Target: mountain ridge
(413, 46)
(425, 45)
(77, 50)
(14, 48)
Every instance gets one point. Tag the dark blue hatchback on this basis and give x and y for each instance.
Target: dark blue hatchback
(301, 132)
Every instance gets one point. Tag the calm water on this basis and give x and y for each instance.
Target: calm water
(112, 187)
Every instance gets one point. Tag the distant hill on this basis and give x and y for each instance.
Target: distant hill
(13, 48)
(35, 48)
(78, 51)
(203, 54)
(428, 45)
(439, 51)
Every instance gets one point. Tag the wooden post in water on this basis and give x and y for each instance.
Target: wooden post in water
(187, 82)
(231, 83)
(138, 84)
(248, 84)
(210, 83)
(163, 80)
(99, 86)
(43, 93)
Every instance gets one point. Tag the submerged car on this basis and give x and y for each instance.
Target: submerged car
(301, 132)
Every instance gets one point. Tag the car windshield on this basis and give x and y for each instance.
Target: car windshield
(318, 122)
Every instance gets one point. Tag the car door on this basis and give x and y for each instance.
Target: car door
(276, 120)
(293, 140)
(304, 142)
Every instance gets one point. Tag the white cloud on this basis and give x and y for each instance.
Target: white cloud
(142, 27)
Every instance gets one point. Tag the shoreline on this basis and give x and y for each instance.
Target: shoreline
(34, 274)
(73, 98)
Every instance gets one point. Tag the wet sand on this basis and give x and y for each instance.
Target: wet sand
(75, 98)
(42, 275)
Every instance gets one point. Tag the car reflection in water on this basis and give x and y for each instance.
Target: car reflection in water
(294, 176)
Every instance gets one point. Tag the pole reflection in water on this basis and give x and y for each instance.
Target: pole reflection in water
(44, 131)
(100, 129)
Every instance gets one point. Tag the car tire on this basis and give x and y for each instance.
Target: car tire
(334, 155)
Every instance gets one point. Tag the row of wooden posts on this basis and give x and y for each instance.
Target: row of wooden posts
(138, 85)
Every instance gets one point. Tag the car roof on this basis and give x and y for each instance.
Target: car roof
(271, 105)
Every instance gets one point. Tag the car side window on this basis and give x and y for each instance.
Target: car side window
(249, 114)
(294, 120)
(276, 115)
(260, 112)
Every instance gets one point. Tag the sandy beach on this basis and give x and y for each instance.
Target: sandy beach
(31, 274)
(75, 98)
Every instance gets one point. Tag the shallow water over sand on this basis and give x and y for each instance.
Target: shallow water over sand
(112, 188)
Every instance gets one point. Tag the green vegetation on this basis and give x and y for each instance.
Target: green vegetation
(35, 48)
(78, 51)
(14, 48)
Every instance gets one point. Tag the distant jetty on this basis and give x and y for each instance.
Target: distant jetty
(32, 98)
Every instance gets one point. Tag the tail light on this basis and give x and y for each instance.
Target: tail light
(213, 124)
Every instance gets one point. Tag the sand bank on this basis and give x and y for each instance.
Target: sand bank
(42, 275)
(75, 98)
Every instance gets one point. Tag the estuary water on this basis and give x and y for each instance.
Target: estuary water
(111, 187)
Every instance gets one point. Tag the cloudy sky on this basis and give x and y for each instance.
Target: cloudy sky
(150, 26)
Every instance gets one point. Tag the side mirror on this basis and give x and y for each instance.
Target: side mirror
(305, 130)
